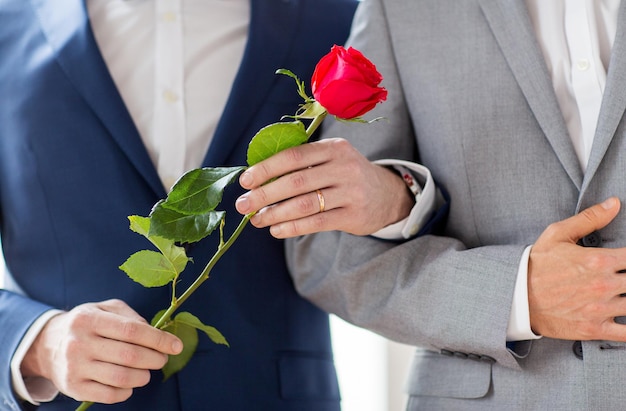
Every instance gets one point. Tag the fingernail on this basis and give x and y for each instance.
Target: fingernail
(242, 204)
(245, 180)
(177, 346)
(275, 230)
(608, 203)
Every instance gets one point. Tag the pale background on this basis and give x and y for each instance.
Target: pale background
(372, 370)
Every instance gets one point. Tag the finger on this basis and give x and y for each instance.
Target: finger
(121, 308)
(286, 161)
(129, 355)
(128, 330)
(301, 206)
(117, 376)
(292, 185)
(610, 331)
(587, 221)
(100, 393)
(307, 225)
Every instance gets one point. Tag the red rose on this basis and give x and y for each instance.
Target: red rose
(346, 83)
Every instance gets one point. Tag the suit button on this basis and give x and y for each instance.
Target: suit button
(591, 240)
(577, 348)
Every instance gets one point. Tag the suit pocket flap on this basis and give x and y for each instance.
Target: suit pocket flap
(438, 375)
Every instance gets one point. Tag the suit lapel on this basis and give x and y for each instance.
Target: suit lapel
(613, 101)
(66, 27)
(271, 23)
(513, 30)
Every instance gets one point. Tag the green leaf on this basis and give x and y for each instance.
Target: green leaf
(189, 337)
(193, 321)
(275, 138)
(176, 255)
(149, 268)
(200, 190)
(183, 228)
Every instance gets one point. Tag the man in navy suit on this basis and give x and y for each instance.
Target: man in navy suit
(81, 148)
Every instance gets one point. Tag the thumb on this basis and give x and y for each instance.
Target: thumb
(589, 220)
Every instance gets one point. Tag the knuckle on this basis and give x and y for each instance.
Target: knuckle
(121, 379)
(129, 329)
(318, 222)
(305, 205)
(589, 214)
(552, 230)
(128, 356)
(297, 180)
(339, 145)
(261, 193)
(162, 341)
(264, 171)
(293, 155)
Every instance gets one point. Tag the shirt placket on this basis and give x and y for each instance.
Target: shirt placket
(588, 75)
(169, 109)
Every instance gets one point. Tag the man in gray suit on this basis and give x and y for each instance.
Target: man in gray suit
(517, 108)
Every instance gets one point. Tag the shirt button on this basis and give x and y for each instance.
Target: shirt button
(582, 65)
(168, 16)
(170, 96)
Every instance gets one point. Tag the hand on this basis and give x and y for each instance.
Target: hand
(359, 197)
(574, 293)
(99, 352)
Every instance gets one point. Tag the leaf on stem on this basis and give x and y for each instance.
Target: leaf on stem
(193, 321)
(189, 337)
(185, 326)
(149, 268)
(275, 138)
(183, 228)
(177, 255)
(200, 191)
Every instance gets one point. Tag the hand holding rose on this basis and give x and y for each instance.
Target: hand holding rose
(359, 197)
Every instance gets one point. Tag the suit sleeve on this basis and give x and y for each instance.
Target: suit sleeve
(17, 314)
(430, 291)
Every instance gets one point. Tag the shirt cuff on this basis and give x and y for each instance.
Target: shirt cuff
(519, 320)
(425, 203)
(32, 389)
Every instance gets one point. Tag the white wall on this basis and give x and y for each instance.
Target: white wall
(371, 370)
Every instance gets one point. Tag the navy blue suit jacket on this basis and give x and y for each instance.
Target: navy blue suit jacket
(73, 167)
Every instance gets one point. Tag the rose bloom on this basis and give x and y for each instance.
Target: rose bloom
(346, 83)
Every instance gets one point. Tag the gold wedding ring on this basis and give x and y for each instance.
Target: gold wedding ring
(320, 199)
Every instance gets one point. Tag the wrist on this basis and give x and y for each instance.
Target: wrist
(407, 191)
(37, 357)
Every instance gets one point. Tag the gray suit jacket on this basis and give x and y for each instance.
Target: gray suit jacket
(471, 98)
